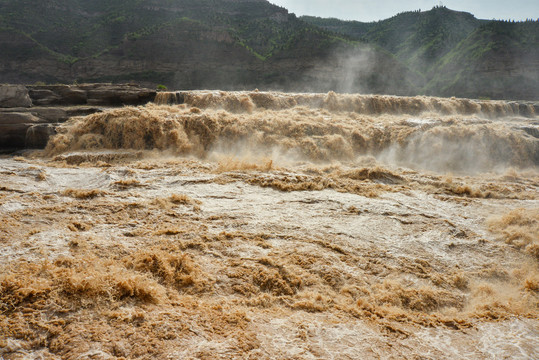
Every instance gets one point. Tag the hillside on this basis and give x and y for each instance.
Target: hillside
(351, 28)
(246, 44)
(416, 38)
(183, 44)
(453, 53)
(497, 59)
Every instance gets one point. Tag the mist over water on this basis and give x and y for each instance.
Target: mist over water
(442, 135)
(267, 225)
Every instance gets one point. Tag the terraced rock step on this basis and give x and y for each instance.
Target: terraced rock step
(90, 94)
(30, 114)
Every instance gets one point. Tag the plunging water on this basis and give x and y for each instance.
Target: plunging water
(271, 225)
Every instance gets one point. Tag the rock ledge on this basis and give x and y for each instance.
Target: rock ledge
(30, 114)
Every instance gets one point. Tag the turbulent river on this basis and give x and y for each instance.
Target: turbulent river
(255, 225)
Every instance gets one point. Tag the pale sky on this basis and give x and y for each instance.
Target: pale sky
(366, 11)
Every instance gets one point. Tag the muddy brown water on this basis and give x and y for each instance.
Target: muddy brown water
(275, 226)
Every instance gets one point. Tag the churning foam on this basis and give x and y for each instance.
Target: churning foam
(438, 134)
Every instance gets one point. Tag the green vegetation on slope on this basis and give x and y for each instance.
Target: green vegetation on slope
(353, 29)
(456, 54)
(497, 58)
(203, 43)
(252, 43)
(82, 29)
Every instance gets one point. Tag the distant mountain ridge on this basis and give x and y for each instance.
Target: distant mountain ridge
(236, 44)
(184, 44)
(454, 53)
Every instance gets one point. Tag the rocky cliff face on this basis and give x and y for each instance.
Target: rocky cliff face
(182, 44)
(30, 114)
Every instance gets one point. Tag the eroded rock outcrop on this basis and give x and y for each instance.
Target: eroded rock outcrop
(90, 94)
(30, 114)
(14, 96)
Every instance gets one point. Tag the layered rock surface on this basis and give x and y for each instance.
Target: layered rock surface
(30, 114)
(14, 96)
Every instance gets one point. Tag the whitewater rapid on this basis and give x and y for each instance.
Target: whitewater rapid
(437, 134)
(270, 225)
